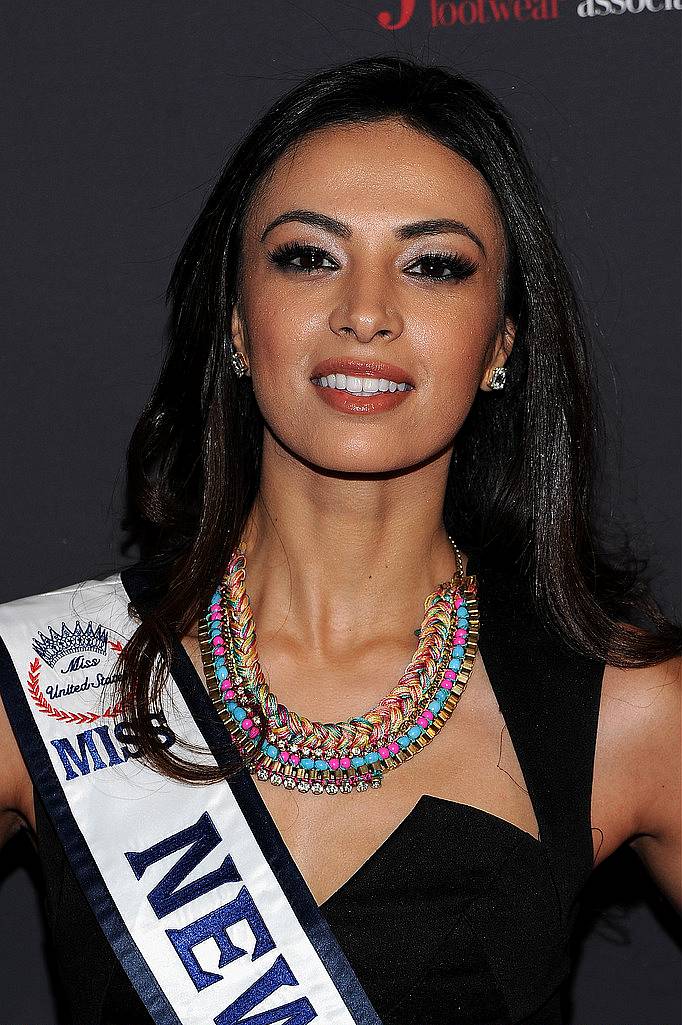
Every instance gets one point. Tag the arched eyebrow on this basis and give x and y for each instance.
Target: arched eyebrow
(414, 229)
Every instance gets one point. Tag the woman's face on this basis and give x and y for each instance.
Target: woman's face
(366, 301)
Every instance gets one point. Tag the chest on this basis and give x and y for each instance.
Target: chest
(471, 762)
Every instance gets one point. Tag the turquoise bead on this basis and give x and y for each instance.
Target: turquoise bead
(442, 695)
(455, 664)
(239, 713)
(357, 761)
(231, 704)
(372, 756)
(217, 597)
(222, 673)
(458, 651)
(219, 661)
(434, 706)
(404, 741)
(415, 731)
(307, 763)
(462, 613)
(320, 763)
(272, 751)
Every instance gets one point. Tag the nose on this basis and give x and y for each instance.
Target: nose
(366, 317)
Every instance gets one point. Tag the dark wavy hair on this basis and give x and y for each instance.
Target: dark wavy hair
(522, 494)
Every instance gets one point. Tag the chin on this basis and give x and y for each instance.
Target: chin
(361, 462)
(363, 452)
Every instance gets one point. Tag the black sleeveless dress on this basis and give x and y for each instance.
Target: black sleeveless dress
(460, 917)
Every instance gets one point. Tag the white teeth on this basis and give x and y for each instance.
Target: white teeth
(360, 385)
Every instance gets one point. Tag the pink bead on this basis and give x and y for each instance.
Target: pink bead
(284, 756)
(294, 758)
(219, 651)
(333, 763)
(254, 732)
(215, 607)
(428, 714)
(217, 641)
(446, 684)
(394, 748)
(461, 635)
(246, 724)
(215, 616)
(422, 720)
(458, 601)
(384, 752)
(449, 674)
(345, 762)
(229, 694)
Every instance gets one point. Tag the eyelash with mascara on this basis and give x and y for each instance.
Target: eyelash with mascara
(460, 267)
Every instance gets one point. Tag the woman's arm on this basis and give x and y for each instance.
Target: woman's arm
(655, 767)
(14, 781)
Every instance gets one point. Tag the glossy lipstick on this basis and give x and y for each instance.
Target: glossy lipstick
(369, 402)
(362, 368)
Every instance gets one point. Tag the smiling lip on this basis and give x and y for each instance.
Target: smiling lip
(344, 402)
(362, 368)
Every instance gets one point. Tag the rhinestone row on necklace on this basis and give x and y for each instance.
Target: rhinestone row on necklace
(290, 750)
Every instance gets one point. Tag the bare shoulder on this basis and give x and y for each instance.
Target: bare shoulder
(15, 783)
(637, 796)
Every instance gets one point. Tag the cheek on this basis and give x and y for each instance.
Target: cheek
(453, 352)
(277, 354)
(281, 326)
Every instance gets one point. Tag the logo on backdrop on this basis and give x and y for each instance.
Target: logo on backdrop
(448, 13)
(72, 666)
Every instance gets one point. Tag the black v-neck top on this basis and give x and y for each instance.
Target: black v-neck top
(460, 917)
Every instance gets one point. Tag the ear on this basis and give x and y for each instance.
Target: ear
(504, 342)
(238, 334)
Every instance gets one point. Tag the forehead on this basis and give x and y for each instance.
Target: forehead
(377, 175)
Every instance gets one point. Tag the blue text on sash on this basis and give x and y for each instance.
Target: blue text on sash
(198, 840)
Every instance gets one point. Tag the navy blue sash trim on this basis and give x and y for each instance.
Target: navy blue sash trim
(84, 866)
(266, 833)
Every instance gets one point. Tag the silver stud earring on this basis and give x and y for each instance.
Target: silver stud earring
(497, 377)
(239, 364)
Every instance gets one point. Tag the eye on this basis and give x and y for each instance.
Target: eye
(311, 257)
(458, 267)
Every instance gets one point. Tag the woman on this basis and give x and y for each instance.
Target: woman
(375, 413)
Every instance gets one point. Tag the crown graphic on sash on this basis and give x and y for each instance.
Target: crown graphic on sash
(69, 642)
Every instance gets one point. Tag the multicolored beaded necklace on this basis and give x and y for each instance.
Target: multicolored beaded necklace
(289, 750)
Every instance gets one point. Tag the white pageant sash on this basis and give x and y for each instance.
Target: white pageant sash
(193, 886)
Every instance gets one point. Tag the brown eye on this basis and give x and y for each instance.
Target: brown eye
(311, 257)
(457, 267)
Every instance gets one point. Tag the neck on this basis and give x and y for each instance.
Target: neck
(338, 561)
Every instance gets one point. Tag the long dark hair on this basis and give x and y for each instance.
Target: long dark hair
(522, 475)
